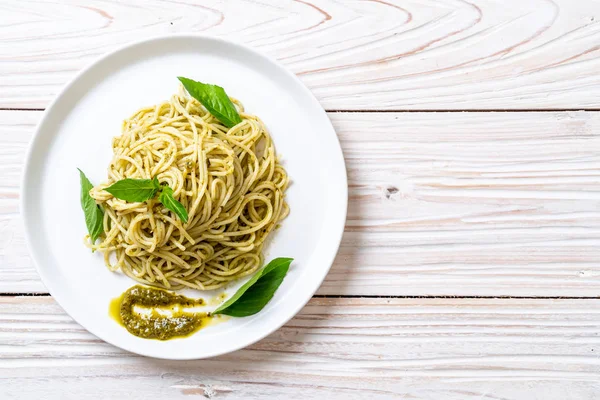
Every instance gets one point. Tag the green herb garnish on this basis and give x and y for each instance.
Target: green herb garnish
(167, 200)
(93, 213)
(136, 190)
(256, 293)
(214, 99)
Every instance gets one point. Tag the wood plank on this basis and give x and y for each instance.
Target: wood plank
(335, 348)
(485, 204)
(410, 55)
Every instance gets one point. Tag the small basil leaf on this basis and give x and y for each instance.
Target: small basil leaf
(214, 99)
(167, 199)
(92, 211)
(258, 291)
(134, 190)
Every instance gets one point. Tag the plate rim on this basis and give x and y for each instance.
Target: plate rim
(24, 193)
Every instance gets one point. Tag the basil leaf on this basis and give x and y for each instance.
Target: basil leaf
(92, 211)
(256, 293)
(215, 100)
(167, 199)
(134, 190)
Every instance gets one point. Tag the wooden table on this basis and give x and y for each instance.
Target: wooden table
(470, 264)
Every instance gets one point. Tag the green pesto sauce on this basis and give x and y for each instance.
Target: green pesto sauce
(179, 323)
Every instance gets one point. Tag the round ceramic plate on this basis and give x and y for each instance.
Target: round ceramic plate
(76, 132)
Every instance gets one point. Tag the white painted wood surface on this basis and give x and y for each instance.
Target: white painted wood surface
(461, 349)
(440, 204)
(378, 54)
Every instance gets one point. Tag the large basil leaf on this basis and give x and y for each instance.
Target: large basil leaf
(92, 211)
(134, 190)
(215, 100)
(258, 291)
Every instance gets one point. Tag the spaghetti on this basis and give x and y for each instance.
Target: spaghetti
(229, 180)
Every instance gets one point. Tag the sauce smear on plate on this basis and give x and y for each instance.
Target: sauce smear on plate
(153, 313)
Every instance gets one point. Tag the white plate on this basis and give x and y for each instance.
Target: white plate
(76, 132)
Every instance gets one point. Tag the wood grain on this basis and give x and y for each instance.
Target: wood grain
(441, 204)
(434, 349)
(354, 55)
(483, 204)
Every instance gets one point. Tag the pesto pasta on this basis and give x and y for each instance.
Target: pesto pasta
(229, 180)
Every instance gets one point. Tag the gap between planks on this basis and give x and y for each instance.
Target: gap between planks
(329, 296)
